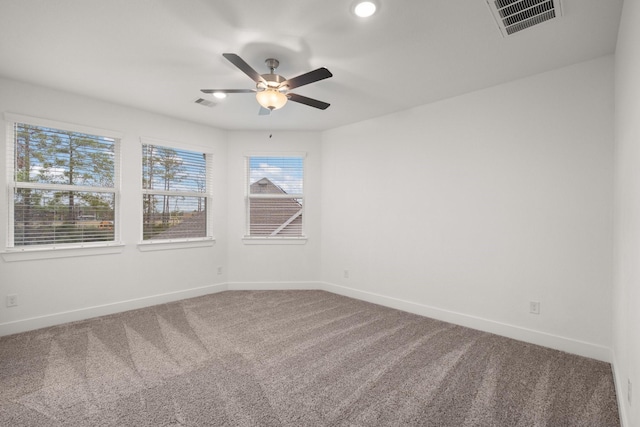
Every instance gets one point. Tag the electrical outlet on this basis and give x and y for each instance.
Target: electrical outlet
(12, 300)
(219, 270)
(629, 390)
(534, 307)
(346, 274)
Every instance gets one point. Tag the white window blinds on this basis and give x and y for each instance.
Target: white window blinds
(64, 184)
(176, 193)
(275, 196)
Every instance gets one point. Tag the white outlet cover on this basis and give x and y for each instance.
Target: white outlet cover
(534, 307)
(12, 300)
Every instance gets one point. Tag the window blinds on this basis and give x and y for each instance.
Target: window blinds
(175, 193)
(64, 186)
(275, 196)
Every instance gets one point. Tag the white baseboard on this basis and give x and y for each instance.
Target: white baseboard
(557, 342)
(523, 334)
(273, 286)
(38, 322)
(621, 392)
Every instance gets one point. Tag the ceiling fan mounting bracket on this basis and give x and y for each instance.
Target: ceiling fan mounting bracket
(272, 63)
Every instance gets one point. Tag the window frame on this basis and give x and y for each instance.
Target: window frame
(178, 243)
(43, 251)
(249, 239)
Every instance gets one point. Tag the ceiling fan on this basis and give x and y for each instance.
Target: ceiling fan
(272, 90)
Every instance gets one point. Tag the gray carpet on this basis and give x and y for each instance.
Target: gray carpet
(291, 358)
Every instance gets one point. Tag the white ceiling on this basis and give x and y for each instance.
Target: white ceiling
(157, 54)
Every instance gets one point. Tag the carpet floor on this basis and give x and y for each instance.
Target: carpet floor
(291, 358)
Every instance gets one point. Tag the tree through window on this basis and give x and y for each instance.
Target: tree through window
(64, 186)
(175, 193)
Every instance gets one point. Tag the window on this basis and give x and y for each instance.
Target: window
(64, 180)
(175, 193)
(275, 197)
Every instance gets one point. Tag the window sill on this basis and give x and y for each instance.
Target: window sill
(274, 240)
(163, 245)
(51, 252)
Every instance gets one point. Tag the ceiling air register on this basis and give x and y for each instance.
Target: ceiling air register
(517, 15)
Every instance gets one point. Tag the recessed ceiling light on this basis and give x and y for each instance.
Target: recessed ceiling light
(220, 95)
(364, 9)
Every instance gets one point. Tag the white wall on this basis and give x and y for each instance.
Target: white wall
(464, 210)
(626, 289)
(55, 290)
(273, 266)
(469, 208)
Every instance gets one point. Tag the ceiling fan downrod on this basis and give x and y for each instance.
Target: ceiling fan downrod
(272, 63)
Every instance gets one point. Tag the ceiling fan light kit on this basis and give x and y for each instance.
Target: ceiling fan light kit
(272, 90)
(271, 99)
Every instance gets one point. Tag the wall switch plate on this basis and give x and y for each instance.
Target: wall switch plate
(346, 274)
(534, 307)
(219, 270)
(12, 300)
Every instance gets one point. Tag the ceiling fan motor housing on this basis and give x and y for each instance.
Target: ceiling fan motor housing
(273, 81)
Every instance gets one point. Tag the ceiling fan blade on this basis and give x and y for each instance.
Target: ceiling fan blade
(228, 90)
(244, 67)
(310, 77)
(264, 111)
(308, 101)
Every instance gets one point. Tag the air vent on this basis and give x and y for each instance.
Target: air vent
(205, 102)
(517, 15)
